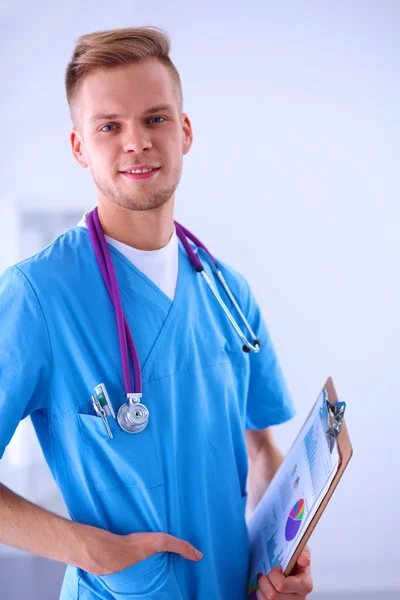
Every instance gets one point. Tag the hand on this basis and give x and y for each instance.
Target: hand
(107, 553)
(275, 586)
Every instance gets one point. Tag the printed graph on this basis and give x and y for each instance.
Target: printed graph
(311, 444)
(294, 521)
(311, 447)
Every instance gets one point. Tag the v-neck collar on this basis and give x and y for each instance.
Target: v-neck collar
(185, 268)
(181, 256)
(149, 282)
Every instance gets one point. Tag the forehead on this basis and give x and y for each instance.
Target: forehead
(124, 89)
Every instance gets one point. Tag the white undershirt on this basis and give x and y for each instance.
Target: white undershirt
(161, 266)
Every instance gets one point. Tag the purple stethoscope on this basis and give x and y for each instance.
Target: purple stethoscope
(133, 416)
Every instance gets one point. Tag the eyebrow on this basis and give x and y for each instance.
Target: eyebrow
(110, 116)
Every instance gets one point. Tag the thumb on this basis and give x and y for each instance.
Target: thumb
(171, 543)
(304, 560)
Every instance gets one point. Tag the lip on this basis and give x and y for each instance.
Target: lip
(133, 167)
(141, 175)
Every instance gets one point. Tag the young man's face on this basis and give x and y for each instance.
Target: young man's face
(136, 135)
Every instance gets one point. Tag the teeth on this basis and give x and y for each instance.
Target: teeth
(140, 171)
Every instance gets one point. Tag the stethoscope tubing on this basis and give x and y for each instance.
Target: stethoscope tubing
(126, 341)
(184, 233)
(110, 279)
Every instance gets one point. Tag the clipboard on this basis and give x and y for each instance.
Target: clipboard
(339, 444)
(338, 431)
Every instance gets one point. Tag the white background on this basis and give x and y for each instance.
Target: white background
(293, 179)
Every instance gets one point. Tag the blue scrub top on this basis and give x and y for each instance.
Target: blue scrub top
(185, 474)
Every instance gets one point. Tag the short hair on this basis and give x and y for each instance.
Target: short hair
(117, 47)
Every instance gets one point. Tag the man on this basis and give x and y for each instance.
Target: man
(141, 504)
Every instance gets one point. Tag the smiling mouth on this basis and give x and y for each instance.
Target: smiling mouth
(140, 169)
(143, 175)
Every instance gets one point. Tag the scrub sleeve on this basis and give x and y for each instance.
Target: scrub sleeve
(25, 354)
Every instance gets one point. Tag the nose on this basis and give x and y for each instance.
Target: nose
(136, 139)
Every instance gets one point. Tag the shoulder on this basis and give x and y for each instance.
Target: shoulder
(54, 262)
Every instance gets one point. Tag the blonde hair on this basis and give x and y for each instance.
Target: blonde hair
(117, 47)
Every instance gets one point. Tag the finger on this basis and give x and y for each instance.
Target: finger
(301, 583)
(260, 595)
(169, 543)
(271, 593)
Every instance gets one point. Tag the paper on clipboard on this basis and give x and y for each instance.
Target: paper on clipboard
(295, 493)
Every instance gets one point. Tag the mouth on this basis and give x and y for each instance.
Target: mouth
(145, 175)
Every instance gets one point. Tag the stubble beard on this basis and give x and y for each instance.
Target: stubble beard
(141, 200)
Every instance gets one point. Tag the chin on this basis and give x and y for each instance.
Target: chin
(141, 204)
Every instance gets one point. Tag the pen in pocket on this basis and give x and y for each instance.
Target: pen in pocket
(104, 399)
(102, 414)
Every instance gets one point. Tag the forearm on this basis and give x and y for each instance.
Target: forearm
(33, 529)
(261, 471)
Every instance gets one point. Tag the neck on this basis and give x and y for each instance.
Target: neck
(144, 230)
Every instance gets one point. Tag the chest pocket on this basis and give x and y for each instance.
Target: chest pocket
(128, 459)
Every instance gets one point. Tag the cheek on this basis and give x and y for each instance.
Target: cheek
(105, 157)
(170, 145)
(174, 152)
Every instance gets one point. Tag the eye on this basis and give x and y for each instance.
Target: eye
(110, 125)
(157, 118)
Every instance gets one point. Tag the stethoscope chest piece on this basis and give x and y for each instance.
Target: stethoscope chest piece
(133, 416)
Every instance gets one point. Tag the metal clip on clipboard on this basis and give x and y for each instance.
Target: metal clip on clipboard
(336, 412)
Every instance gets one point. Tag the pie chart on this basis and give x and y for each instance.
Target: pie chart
(294, 521)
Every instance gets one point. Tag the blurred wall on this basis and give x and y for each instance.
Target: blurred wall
(292, 178)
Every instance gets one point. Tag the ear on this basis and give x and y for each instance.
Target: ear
(187, 134)
(78, 149)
